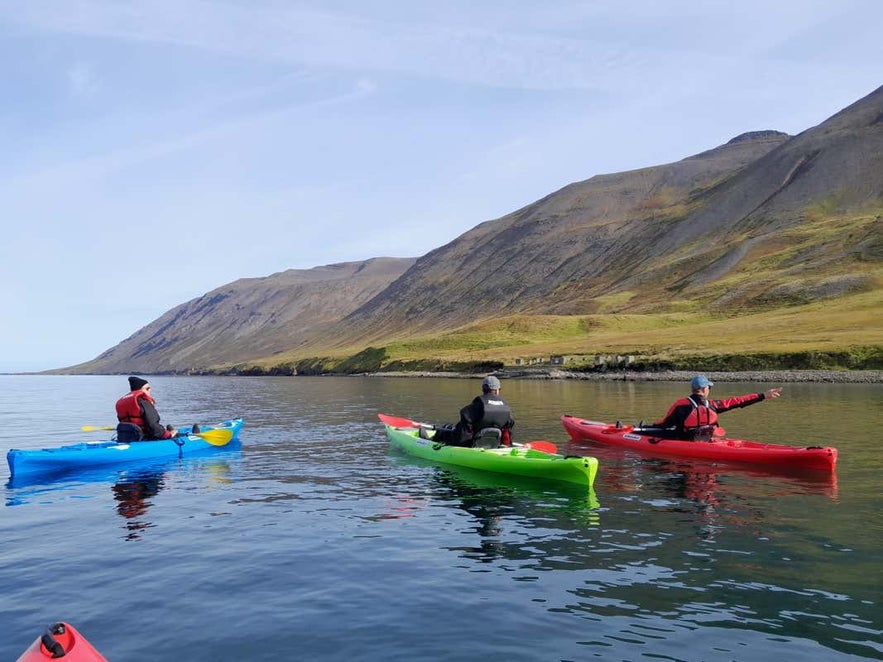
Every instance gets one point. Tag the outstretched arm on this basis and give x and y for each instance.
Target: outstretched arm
(726, 404)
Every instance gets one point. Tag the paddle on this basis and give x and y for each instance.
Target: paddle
(397, 422)
(214, 437)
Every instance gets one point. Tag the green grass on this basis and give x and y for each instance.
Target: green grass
(845, 333)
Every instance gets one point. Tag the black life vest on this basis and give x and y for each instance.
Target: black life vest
(497, 413)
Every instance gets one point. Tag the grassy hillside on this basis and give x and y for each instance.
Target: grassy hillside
(842, 333)
(826, 256)
(819, 326)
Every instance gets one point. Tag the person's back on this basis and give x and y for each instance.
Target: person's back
(137, 415)
(488, 411)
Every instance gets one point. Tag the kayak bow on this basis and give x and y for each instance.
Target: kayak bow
(61, 640)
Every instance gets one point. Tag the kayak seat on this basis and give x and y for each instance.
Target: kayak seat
(488, 438)
(129, 432)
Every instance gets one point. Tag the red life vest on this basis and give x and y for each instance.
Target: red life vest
(699, 415)
(128, 409)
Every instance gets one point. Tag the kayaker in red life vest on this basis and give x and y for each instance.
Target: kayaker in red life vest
(487, 411)
(137, 415)
(695, 417)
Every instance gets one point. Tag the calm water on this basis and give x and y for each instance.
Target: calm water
(312, 541)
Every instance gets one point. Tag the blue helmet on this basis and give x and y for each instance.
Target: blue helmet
(700, 381)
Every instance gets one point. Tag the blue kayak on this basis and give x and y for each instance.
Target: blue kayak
(90, 454)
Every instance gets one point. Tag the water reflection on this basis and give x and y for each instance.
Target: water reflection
(487, 508)
(53, 487)
(700, 480)
(134, 493)
(132, 489)
(712, 498)
(506, 510)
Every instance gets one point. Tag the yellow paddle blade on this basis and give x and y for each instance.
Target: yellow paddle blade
(216, 437)
(92, 428)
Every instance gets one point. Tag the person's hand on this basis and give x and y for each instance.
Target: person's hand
(173, 432)
(772, 393)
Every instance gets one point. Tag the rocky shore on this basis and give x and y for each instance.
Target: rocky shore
(768, 377)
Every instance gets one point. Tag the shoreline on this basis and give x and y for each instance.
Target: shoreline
(766, 376)
(723, 376)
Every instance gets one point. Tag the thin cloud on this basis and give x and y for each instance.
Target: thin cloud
(510, 59)
(81, 80)
(173, 133)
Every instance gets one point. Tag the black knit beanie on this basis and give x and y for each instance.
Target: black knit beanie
(136, 382)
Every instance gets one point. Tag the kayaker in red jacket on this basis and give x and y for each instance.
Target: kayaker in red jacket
(695, 417)
(138, 408)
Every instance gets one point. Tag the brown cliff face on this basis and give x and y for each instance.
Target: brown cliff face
(249, 318)
(660, 235)
(763, 221)
(558, 254)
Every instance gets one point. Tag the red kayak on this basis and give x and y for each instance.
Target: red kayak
(718, 449)
(61, 640)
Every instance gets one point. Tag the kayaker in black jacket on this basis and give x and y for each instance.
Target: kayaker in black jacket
(488, 410)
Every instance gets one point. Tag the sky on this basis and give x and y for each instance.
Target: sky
(154, 151)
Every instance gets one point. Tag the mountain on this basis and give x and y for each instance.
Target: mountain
(667, 238)
(764, 221)
(559, 254)
(249, 318)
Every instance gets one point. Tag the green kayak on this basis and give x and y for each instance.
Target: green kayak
(519, 460)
